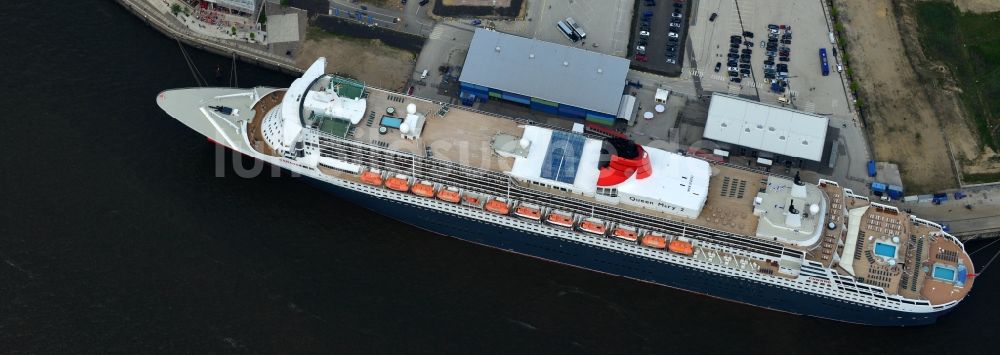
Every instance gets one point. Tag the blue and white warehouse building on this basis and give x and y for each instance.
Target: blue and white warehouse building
(548, 77)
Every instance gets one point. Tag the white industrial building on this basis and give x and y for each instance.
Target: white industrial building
(766, 127)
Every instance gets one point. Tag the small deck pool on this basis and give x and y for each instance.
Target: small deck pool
(885, 250)
(392, 122)
(944, 273)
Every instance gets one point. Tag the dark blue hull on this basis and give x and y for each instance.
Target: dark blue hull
(632, 266)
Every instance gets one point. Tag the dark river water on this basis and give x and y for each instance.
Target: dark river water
(118, 235)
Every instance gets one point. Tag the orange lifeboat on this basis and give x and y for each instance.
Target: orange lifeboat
(681, 247)
(654, 240)
(528, 211)
(560, 218)
(498, 205)
(372, 177)
(625, 233)
(593, 225)
(449, 194)
(423, 189)
(398, 183)
(471, 200)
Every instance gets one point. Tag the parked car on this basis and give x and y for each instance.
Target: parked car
(674, 24)
(712, 17)
(673, 30)
(787, 41)
(733, 73)
(424, 2)
(643, 34)
(640, 49)
(733, 56)
(747, 34)
(671, 49)
(745, 60)
(734, 51)
(768, 62)
(768, 76)
(784, 59)
(641, 42)
(676, 15)
(718, 65)
(672, 39)
(734, 69)
(734, 46)
(744, 66)
(678, 5)
(747, 51)
(675, 20)
(641, 57)
(772, 26)
(748, 44)
(736, 79)
(732, 63)
(671, 61)
(840, 68)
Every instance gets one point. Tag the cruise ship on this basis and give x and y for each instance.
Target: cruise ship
(598, 202)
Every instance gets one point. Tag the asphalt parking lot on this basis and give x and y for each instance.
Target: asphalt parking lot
(658, 20)
(808, 89)
(605, 22)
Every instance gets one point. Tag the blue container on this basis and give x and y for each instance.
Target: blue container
(878, 187)
(871, 168)
(895, 192)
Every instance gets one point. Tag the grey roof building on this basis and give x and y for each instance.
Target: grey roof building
(544, 70)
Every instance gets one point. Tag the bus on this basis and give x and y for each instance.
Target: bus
(566, 31)
(576, 28)
(824, 64)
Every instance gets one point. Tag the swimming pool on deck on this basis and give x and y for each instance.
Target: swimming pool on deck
(885, 250)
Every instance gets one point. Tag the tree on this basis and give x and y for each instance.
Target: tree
(285, 3)
(252, 36)
(175, 8)
(234, 30)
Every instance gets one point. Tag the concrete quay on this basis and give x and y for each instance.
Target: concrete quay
(246, 53)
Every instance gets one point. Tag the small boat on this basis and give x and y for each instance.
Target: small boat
(449, 194)
(529, 211)
(593, 225)
(625, 233)
(472, 199)
(423, 188)
(681, 246)
(372, 177)
(560, 218)
(655, 240)
(498, 205)
(398, 183)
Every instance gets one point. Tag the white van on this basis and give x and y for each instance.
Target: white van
(423, 75)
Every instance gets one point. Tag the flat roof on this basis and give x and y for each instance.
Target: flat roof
(547, 71)
(766, 127)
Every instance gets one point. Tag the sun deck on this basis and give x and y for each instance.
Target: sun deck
(901, 255)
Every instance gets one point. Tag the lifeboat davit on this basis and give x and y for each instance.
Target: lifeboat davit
(681, 247)
(372, 177)
(625, 233)
(449, 194)
(529, 211)
(398, 183)
(498, 205)
(593, 225)
(560, 218)
(655, 240)
(423, 188)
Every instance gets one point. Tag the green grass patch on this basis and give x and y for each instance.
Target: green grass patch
(980, 178)
(969, 44)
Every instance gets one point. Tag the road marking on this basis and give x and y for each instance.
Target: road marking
(436, 32)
